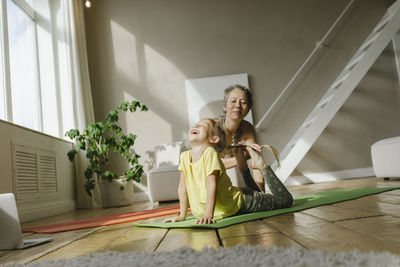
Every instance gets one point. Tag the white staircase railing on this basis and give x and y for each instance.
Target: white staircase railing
(338, 92)
(318, 45)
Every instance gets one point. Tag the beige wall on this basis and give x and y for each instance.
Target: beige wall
(146, 50)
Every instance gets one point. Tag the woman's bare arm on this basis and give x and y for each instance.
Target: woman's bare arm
(229, 162)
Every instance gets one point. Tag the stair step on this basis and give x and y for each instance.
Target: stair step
(292, 142)
(353, 62)
(377, 31)
(312, 117)
(340, 80)
(382, 23)
(325, 100)
(300, 133)
(307, 123)
(369, 41)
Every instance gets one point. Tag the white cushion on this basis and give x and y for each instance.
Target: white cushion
(167, 168)
(163, 183)
(163, 180)
(386, 157)
(388, 141)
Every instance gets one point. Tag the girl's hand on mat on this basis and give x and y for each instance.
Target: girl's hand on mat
(205, 220)
(174, 219)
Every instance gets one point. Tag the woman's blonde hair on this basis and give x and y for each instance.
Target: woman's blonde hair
(216, 130)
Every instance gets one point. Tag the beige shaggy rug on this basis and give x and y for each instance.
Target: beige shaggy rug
(235, 256)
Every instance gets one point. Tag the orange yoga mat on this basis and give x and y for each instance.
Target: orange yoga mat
(103, 221)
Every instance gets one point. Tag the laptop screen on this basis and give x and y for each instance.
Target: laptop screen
(10, 228)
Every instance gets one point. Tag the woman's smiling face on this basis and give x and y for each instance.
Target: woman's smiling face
(236, 105)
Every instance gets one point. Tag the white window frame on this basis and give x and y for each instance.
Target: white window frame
(5, 61)
(4, 46)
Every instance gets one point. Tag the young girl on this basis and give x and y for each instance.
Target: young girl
(205, 186)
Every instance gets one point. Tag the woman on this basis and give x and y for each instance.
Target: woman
(237, 103)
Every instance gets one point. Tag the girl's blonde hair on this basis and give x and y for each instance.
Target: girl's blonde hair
(216, 130)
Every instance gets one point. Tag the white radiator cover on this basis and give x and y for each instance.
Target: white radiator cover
(35, 167)
(36, 184)
(34, 173)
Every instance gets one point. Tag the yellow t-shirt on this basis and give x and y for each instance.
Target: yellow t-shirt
(228, 198)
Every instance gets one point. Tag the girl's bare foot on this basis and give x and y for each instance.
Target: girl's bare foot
(256, 161)
(240, 158)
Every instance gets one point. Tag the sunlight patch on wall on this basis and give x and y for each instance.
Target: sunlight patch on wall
(125, 51)
(163, 77)
(147, 126)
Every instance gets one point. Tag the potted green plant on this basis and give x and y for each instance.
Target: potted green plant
(98, 140)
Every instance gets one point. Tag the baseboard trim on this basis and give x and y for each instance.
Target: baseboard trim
(29, 211)
(330, 176)
(140, 196)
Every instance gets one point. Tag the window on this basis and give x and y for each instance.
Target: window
(23, 68)
(3, 103)
(2, 92)
(29, 67)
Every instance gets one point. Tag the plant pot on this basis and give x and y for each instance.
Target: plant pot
(113, 196)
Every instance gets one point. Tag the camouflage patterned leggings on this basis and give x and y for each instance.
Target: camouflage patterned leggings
(255, 201)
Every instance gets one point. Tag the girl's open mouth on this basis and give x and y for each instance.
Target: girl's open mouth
(194, 131)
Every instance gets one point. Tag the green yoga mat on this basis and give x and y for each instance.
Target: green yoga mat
(299, 203)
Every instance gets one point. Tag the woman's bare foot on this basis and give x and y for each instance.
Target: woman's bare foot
(240, 158)
(256, 161)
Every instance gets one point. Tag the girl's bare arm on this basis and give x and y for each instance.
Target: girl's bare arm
(183, 201)
(210, 205)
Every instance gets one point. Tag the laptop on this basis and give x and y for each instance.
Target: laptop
(10, 228)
